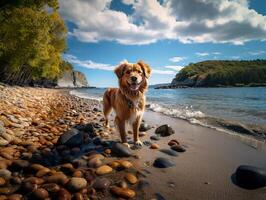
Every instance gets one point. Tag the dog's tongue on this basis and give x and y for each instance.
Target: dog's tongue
(134, 87)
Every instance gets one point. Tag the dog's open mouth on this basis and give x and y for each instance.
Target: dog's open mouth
(133, 86)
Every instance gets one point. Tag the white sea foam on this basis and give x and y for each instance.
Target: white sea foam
(85, 95)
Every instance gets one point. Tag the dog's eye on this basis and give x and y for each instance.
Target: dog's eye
(128, 72)
(139, 72)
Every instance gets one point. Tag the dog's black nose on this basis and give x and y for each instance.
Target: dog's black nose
(134, 78)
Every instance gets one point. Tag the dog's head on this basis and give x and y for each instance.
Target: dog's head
(133, 77)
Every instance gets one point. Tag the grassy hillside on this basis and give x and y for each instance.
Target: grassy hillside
(222, 73)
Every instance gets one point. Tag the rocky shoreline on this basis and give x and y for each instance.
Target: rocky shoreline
(54, 146)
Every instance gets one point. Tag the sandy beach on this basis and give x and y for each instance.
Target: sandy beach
(36, 163)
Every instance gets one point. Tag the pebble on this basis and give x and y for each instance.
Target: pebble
(123, 192)
(144, 127)
(4, 173)
(43, 172)
(15, 197)
(173, 142)
(40, 193)
(29, 187)
(122, 184)
(126, 164)
(164, 130)
(71, 138)
(94, 162)
(178, 148)
(63, 194)
(2, 181)
(58, 178)
(51, 187)
(142, 134)
(131, 178)
(101, 184)
(163, 163)
(121, 150)
(155, 137)
(105, 169)
(76, 184)
(154, 146)
(19, 164)
(114, 164)
(169, 152)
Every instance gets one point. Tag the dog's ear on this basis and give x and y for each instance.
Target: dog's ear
(119, 71)
(145, 68)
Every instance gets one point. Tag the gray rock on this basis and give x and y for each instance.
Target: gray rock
(155, 137)
(101, 184)
(178, 148)
(169, 152)
(71, 138)
(121, 150)
(250, 176)
(144, 127)
(164, 130)
(163, 163)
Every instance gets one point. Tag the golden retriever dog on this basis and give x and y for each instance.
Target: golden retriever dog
(128, 101)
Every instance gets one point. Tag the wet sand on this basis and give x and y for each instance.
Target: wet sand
(205, 170)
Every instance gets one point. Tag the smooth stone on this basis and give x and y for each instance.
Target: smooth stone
(8, 190)
(154, 146)
(29, 187)
(4, 173)
(144, 127)
(169, 152)
(71, 138)
(101, 184)
(121, 150)
(250, 176)
(94, 162)
(76, 184)
(40, 193)
(78, 174)
(142, 134)
(51, 187)
(105, 169)
(163, 163)
(173, 142)
(178, 148)
(2, 181)
(125, 164)
(131, 178)
(19, 164)
(42, 172)
(114, 164)
(122, 184)
(63, 194)
(155, 137)
(123, 192)
(3, 142)
(34, 180)
(164, 130)
(58, 178)
(15, 197)
(147, 143)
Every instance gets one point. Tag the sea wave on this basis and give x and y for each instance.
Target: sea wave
(85, 95)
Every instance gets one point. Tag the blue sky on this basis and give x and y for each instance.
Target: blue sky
(102, 33)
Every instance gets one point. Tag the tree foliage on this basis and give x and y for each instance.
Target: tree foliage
(224, 73)
(32, 39)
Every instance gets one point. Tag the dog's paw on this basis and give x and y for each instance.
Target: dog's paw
(126, 144)
(138, 143)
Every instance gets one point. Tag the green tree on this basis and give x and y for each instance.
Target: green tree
(32, 39)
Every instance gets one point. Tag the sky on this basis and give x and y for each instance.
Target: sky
(166, 34)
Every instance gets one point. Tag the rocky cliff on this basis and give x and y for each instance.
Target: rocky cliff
(72, 79)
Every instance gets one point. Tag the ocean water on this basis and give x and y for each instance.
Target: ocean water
(246, 105)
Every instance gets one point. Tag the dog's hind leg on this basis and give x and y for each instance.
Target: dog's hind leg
(107, 108)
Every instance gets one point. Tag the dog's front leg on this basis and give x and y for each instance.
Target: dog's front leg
(121, 124)
(136, 125)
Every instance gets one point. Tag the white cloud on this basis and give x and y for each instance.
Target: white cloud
(235, 57)
(219, 21)
(87, 63)
(256, 53)
(176, 59)
(177, 68)
(216, 53)
(202, 54)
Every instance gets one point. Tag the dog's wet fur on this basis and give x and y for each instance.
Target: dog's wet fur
(128, 101)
